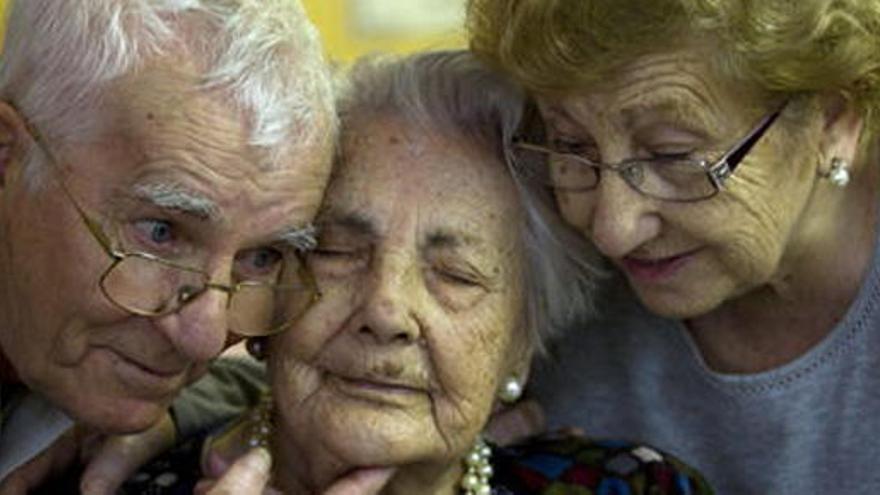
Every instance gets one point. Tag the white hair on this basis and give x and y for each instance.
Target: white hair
(60, 56)
(450, 91)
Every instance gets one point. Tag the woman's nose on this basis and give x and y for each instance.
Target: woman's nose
(389, 310)
(622, 218)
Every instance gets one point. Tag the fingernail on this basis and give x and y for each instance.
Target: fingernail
(260, 460)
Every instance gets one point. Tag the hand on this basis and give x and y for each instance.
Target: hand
(516, 423)
(250, 474)
(51, 462)
(120, 456)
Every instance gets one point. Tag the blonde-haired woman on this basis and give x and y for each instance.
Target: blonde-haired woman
(722, 155)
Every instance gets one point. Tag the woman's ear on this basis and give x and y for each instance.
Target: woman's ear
(520, 363)
(842, 128)
(13, 136)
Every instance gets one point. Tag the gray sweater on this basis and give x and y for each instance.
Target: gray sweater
(809, 427)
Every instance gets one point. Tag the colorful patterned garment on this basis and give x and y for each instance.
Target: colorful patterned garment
(572, 465)
(550, 465)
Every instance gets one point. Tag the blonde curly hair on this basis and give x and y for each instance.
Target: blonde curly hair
(789, 47)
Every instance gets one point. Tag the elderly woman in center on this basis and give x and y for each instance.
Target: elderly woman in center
(722, 156)
(434, 281)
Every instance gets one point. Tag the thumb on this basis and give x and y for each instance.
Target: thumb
(361, 482)
(247, 476)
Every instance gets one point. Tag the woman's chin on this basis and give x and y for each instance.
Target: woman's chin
(361, 436)
(367, 442)
(683, 303)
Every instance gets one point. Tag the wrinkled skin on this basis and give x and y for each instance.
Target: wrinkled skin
(400, 361)
(749, 255)
(107, 368)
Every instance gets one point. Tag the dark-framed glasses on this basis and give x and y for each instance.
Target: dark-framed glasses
(149, 285)
(670, 179)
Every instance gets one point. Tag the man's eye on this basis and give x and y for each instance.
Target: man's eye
(256, 263)
(154, 232)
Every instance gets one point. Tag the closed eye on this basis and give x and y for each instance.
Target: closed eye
(332, 253)
(458, 278)
(671, 157)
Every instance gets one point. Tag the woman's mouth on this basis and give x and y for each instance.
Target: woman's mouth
(388, 393)
(656, 269)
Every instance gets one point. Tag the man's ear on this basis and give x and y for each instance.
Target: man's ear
(13, 139)
(842, 128)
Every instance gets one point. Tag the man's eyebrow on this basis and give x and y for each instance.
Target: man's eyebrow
(177, 197)
(300, 238)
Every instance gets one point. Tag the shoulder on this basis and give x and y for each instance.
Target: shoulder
(561, 463)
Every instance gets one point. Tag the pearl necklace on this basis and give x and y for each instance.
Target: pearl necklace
(478, 468)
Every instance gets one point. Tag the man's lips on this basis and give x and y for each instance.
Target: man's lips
(167, 371)
(653, 269)
(146, 380)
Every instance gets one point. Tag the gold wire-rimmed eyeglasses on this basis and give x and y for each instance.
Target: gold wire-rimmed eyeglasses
(148, 285)
(675, 179)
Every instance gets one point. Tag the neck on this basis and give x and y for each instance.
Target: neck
(818, 279)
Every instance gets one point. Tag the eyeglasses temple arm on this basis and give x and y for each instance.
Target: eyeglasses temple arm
(739, 152)
(90, 224)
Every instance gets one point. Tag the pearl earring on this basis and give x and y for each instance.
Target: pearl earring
(511, 390)
(256, 347)
(839, 173)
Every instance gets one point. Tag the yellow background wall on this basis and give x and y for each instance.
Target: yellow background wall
(344, 43)
(2, 22)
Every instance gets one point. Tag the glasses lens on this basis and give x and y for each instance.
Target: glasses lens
(263, 309)
(678, 180)
(147, 286)
(260, 308)
(561, 171)
(150, 287)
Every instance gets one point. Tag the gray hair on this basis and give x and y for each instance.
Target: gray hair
(59, 57)
(453, 92)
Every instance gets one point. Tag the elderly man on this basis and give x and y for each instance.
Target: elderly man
(160, 163)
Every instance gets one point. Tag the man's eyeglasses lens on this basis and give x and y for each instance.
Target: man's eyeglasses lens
(150, 286)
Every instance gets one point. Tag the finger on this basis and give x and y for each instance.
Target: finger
(120, 457)
(516, 423)
(247, 476)
(362, 482)
(216, 465)
(204, 486)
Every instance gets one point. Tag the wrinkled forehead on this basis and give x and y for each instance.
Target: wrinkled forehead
(679, 85)
(431, 161)
(391, 169)
(167, 101)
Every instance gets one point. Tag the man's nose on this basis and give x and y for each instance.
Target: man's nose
(199, 329)
(622, 218)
